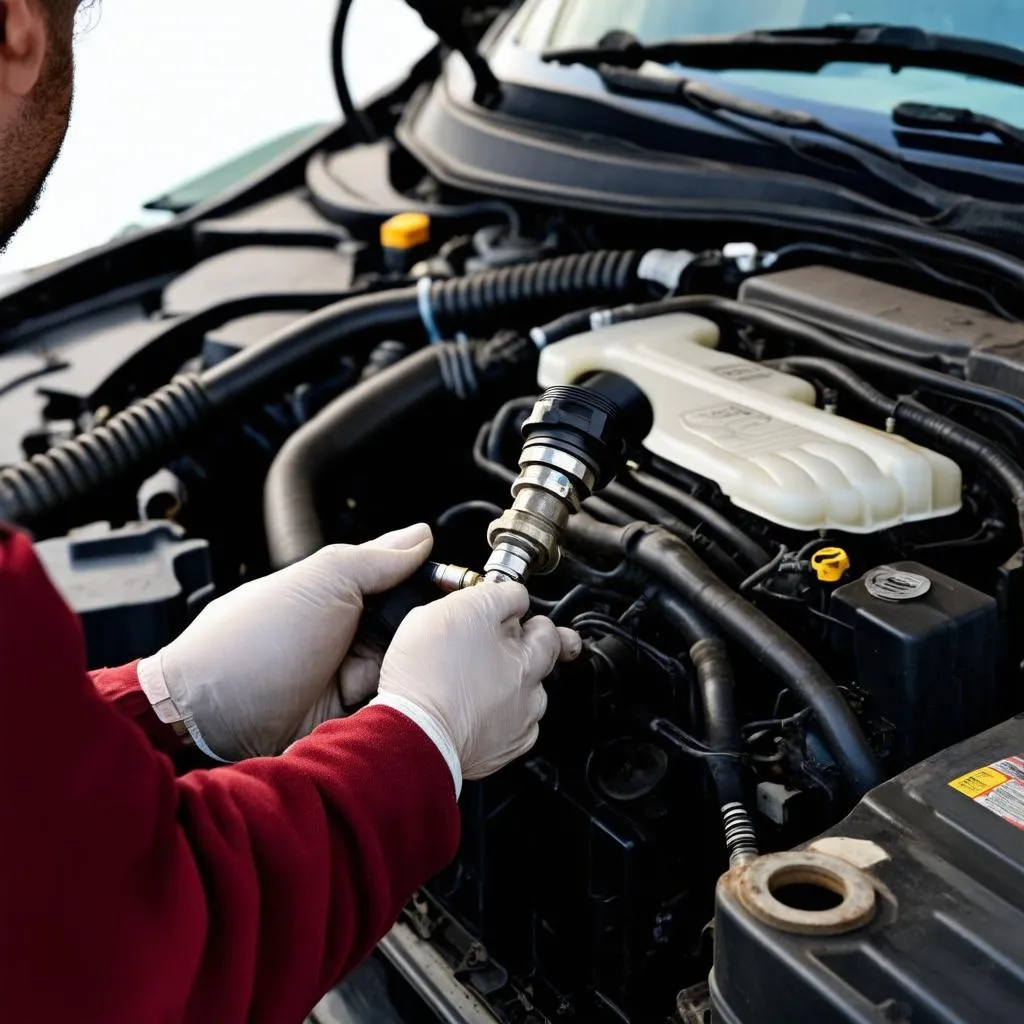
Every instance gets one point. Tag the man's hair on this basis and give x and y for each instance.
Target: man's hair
(80, 8)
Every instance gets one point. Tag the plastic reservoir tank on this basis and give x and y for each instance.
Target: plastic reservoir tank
(757, 432)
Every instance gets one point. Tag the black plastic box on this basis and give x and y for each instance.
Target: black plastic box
(929, 662)
(135, 588)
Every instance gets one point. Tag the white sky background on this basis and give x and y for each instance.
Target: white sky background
(166, 89)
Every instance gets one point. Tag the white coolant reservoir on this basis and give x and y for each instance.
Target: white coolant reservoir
(757, 432)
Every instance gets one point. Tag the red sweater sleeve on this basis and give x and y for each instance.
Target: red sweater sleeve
(237, 894)
(120, 688)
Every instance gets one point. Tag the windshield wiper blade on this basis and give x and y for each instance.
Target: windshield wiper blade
(958, 121)
(705, 97)
(713, 102)
(810, 50)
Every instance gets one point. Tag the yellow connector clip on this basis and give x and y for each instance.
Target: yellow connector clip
(830, 564)
(405, 231)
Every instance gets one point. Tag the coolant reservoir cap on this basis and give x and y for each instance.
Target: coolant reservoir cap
(405, 231)
(889, 584)
(830, 564)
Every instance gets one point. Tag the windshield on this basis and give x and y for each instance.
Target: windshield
(557, 24)
(583, 22)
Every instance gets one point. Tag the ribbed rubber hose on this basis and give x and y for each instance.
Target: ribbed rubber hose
(157, 427)
(135, 440)
(669, 560)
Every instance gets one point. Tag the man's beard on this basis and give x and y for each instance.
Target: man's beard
(29, 148)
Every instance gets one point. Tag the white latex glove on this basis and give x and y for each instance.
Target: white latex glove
(266, 664)
(469, 673)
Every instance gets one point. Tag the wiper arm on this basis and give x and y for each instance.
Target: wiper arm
(711, 101)
(704, 97)
(810, 50)
(959, 121)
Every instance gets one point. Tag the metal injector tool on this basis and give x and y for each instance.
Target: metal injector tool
(575, 441)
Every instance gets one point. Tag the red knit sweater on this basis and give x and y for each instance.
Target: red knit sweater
(128, 893)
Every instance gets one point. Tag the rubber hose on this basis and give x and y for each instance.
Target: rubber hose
(277, 361)
(136, 440)
(941, 431)
(643, 508)
(717, 687)
(157, 426)
(579, 276)
(724, 530)
(358, 123)
(671, 561)
(693, 626)
(294, 530)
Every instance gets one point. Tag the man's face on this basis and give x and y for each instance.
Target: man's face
(36, 81)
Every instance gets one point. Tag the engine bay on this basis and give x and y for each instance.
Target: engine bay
(798, 572)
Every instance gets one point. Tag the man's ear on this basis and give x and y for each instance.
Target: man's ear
(23, 40)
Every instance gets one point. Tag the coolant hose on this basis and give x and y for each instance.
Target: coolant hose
(294, 529)
(717, 687)
(671, 561)
(138, 439)
(709, 518)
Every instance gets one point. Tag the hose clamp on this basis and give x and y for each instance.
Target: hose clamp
(426, 309)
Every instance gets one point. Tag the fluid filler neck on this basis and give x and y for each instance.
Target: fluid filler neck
(576, 440)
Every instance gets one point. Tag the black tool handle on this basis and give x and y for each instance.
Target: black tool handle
(384, 613)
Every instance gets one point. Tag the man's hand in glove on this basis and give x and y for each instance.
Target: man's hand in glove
(265, 665)
(469, 673)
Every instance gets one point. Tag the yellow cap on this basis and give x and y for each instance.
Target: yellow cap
(405, 231)
(830, 564)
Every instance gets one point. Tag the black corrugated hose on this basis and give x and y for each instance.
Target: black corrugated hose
(145, 434)
(673, 563)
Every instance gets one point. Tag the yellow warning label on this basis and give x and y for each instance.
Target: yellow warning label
(998, 787)
(980, 782)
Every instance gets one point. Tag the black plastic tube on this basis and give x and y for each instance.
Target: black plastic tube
(923, 424)
(359, 124)
(294, 529)
(672, 562)
(725, 531)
